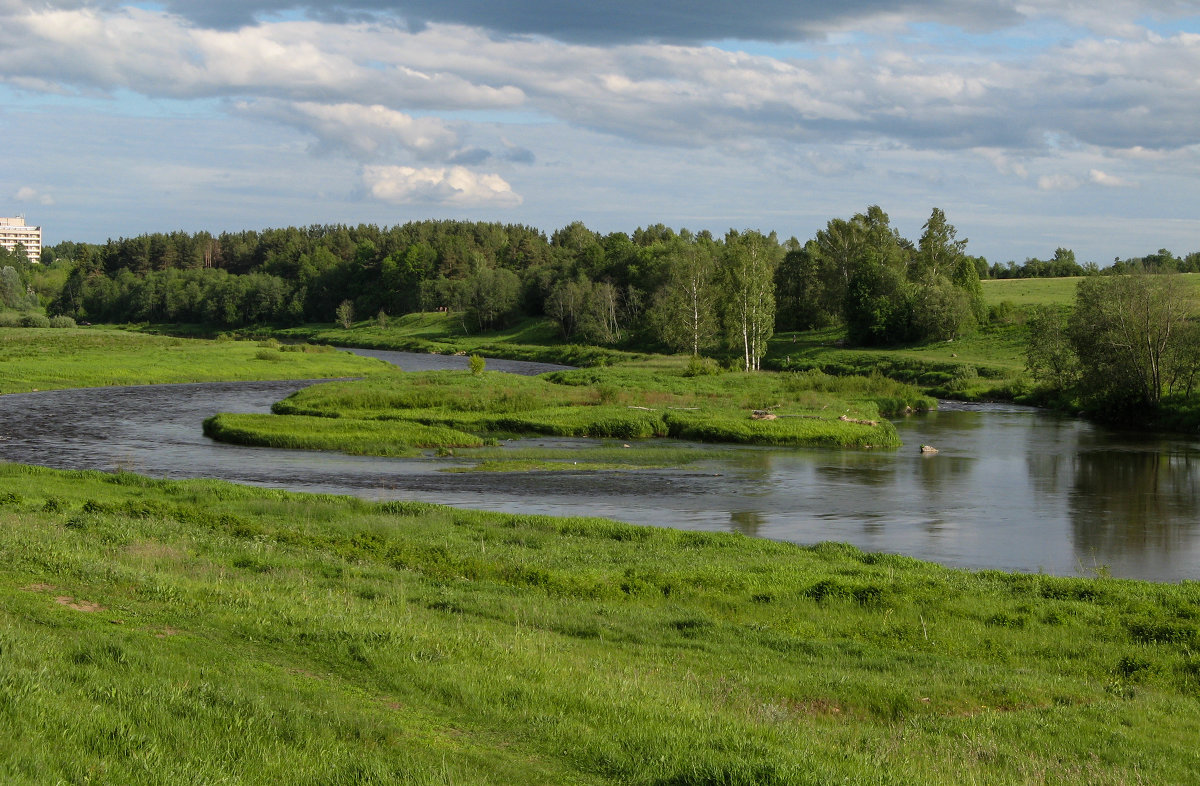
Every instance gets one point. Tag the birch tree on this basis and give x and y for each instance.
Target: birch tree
(748, 264)
(684, 312)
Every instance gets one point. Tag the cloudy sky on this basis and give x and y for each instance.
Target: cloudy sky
(1032, 123)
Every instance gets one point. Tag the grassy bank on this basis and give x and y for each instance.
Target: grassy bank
(441, 333)
(39, 359)
(989, 364)
(654, 398)
(188, 632)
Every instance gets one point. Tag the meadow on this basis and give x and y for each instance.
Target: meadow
(661, 397)
(200, 632)
(48, 359)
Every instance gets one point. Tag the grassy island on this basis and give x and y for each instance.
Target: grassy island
(402, 413)
(201, 632)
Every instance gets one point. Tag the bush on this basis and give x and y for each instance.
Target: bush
(35, 321)
(701, 367)
(62, 321)
(477, 364)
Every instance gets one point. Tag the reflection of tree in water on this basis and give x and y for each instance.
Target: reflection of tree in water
(1050, 464)
(1132, 503)
(747, 522)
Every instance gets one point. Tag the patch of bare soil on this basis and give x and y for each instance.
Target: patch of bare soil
(78, 605)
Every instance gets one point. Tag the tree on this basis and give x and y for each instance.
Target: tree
(345, 314)
(684, 311)
(747, 273)
(1049, 355)
(1129, 334)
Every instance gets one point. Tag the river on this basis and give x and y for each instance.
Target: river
(1012, 488)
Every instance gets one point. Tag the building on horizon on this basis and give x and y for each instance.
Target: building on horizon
(14, 232)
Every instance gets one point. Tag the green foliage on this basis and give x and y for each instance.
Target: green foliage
(476, 363)
(345, 314)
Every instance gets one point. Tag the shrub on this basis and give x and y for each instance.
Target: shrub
(477, 364)
(35, 321)
(700, 367)
(62, 321)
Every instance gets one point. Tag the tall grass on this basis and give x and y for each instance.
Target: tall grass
(199, 632)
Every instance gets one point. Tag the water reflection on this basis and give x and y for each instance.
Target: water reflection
(747, 522)
(1132, 502)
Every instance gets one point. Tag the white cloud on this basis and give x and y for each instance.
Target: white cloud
(450, 186)
(1059, 182)
(30, 194)
(1118, 93)
(1109, 181)
(364, 132)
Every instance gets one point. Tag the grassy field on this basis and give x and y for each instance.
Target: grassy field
(635, 400)
(200, 632)
(444, 334)
(988, 364)
(1025, 292)
(44, 359)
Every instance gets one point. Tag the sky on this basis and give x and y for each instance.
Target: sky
(1033, 124)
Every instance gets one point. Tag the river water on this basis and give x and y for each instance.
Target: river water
(1011, 487)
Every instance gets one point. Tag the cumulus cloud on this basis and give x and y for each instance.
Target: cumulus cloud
(1107, 180)
(1058, 182)
(364, 132)
(454, 186)
(1116, 94)
(30, 194)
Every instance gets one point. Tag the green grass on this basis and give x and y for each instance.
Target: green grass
(650, 398)
(362, 437)
(1025, 292)
(38, 359)
(988, 364)
(199, 632)
(535, 339)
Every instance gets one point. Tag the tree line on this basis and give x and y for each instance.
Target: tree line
(688, 292)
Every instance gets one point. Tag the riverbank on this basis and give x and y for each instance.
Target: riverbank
(166, 631)
(52, 359)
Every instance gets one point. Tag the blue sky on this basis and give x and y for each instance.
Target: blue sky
(1033, 124)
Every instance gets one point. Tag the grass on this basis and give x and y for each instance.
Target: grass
(200, 632)
(38, 359)
(534, 339)
(989, 364)
(650, 398)
(1025, 292)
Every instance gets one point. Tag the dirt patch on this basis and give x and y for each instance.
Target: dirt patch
(165, 632)
(78, 605)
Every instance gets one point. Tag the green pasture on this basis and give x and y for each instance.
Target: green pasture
(46, 359)
(200, 632)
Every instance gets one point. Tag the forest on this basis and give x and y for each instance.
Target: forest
(657, 287)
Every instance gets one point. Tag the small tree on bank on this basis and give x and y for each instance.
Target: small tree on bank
(345, 314)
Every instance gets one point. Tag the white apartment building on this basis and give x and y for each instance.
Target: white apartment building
(14, 231)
